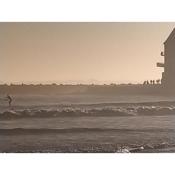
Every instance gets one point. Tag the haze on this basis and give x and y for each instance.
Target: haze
(81, 52)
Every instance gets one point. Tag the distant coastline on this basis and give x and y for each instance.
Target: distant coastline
(67, 89)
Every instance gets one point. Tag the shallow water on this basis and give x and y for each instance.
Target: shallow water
(38, 134)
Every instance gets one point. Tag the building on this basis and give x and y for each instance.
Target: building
(168, 76)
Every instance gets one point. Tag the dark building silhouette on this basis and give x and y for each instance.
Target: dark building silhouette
(168, 76)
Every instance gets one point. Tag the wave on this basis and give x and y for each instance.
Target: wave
(74, 130)
(63, 113)
(97, 112)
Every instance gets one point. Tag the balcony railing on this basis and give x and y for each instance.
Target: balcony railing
(160, 64)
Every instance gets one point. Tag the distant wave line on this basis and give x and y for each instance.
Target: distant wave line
(76, 130)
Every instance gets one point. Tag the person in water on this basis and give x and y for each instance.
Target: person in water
(9, 98)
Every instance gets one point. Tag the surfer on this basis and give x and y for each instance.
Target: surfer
(9, 98)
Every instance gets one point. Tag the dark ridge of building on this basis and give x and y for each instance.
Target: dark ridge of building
(168, 76)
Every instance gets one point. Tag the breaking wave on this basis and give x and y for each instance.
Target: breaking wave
(96, 112)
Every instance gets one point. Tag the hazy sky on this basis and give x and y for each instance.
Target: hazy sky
(81, 52)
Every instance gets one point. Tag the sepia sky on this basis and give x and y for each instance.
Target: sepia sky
(81, 52)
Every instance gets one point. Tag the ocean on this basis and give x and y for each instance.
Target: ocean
(87, 123)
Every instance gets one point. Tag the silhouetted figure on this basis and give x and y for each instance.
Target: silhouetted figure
(153, 81)
(9, 100)
(158, 81)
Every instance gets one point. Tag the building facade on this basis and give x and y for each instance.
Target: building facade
(168, 75)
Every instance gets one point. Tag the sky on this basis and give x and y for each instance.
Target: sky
(81, 52)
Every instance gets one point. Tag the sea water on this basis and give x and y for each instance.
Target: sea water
(82, 123)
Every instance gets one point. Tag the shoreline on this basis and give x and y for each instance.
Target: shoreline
(65, 141)
(90, 148)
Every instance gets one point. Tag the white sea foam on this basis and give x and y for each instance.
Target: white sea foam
(136, 110)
